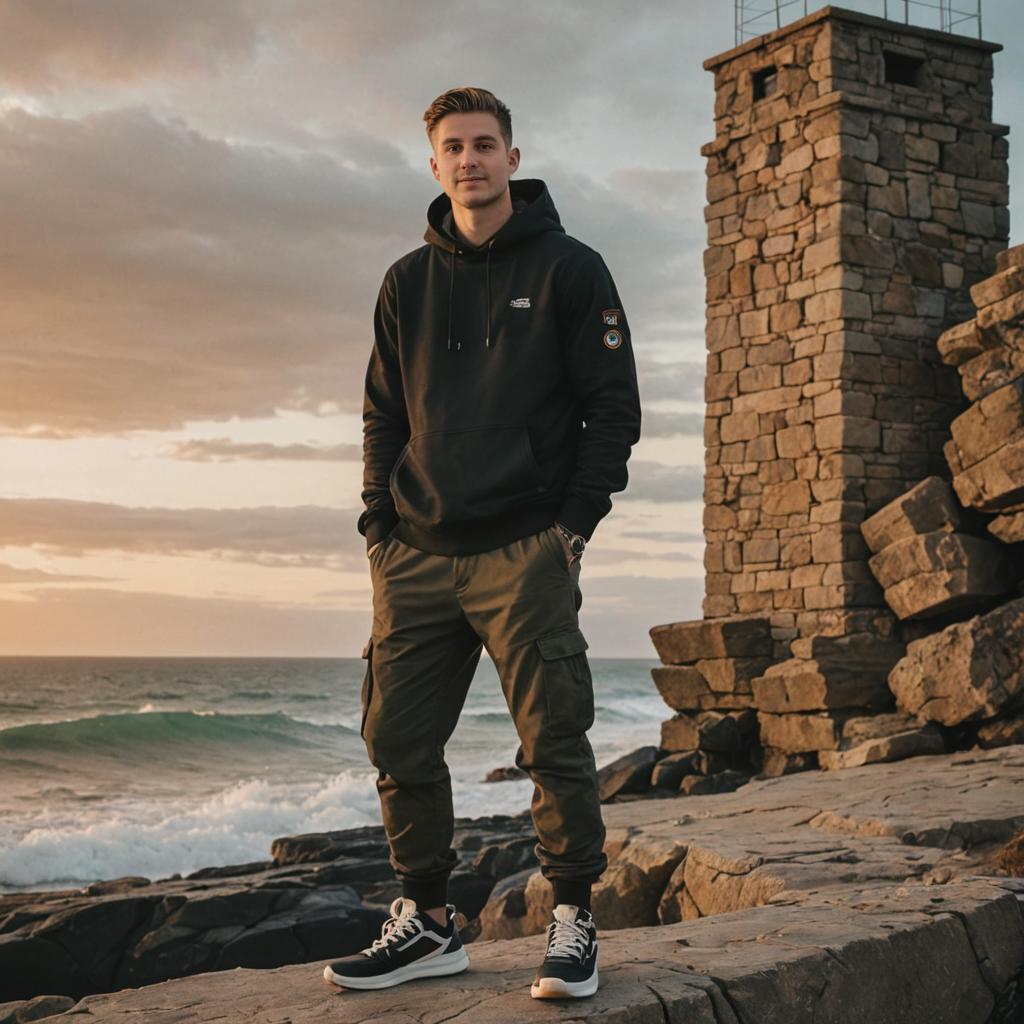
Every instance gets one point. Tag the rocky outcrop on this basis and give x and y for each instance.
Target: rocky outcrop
(323, 894)
(971, 670)
(867, 894)
(926, 563)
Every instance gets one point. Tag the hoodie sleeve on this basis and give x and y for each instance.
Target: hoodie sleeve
(385, 420)
(602, 372)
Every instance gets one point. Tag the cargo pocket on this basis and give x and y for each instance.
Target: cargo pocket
(367, 691)
(568, 685)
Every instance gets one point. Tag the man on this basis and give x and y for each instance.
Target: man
(500, 408)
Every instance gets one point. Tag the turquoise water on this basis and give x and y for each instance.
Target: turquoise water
(151, 766)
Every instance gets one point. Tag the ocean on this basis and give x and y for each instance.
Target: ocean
(151, 766)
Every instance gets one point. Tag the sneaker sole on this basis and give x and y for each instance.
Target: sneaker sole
(447, 963)
(556, 988)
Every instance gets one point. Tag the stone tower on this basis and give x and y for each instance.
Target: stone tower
(856, 187)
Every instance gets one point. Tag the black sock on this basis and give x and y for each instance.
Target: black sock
(574, 891)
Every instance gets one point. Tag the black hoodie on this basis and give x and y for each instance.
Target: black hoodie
(501, 391)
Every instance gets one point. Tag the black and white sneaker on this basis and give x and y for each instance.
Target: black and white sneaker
(569, 969)
(412, 945)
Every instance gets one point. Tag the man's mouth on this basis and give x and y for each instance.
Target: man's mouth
(461, 180)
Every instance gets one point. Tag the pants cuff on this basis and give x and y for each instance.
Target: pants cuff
(574, 891)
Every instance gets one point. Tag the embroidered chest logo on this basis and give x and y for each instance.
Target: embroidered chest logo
(520, 303)
(611, 317)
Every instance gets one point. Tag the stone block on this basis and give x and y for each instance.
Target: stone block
(1002, 322)
(993, 369)
(926, 508)
(1008, 527)
(740, 636)
(796, 733)
(912, 741)
(829, 672)
(961, 343)
(724, 731)
(994, 483)
(968, 671)
(1012, 257)
(684, 688)
(938, 573)
(844, 432)
(990, 424)
(998, 287)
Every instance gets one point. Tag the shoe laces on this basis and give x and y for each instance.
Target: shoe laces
(566, 936)
(403, 923)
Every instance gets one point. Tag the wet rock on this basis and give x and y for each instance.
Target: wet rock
(506, 774)
(22, 1011)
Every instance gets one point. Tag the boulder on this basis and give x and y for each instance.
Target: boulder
(939, 572)
(795, 733)
(968, 671)
(738, 636)
(926, 508)
(630, 773)
(670, 770)
(1012, 257)
(509, 773)
(25, 1010)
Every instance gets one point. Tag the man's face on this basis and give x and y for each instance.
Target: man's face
(471, 160)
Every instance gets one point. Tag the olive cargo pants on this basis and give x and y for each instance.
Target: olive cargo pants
(431, 616)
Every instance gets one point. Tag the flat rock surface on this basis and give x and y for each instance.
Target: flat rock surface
(855, 895)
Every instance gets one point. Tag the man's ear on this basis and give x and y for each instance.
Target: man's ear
(434, 170)
(513, 160)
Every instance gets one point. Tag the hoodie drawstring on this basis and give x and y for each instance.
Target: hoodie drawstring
(451, 296)
(451, 292)
(487, 337)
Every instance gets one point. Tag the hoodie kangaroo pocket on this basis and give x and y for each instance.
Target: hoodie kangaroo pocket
(447, 478)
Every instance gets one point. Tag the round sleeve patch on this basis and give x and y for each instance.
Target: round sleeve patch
(612, 339)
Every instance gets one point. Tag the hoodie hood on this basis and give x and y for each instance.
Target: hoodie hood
(533, 213)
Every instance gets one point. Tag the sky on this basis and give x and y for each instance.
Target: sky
(198, 202)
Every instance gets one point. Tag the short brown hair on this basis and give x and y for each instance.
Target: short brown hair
(468, 100)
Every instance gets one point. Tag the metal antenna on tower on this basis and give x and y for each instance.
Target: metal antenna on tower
(754, 18)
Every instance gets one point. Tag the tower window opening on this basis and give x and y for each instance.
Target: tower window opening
(903, 70)
(766, 82)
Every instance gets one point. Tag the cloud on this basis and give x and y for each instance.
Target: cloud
(663, 423)
(15, 575)
(223, 449)
(115, 41)
(681, 381)
(655, 481)
(159, 276)
(300, 536)
(665, 536)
